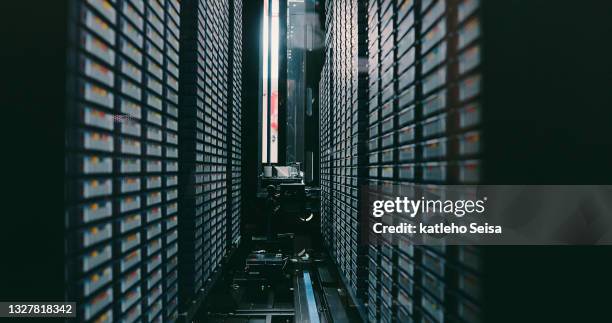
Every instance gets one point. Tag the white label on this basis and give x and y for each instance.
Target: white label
(154, 214)
(97, 165)
(130, 260)
(97, 280)
(100, 301)
(96, 187)
(154, 166)
(99, 72)
(130, 222)
(129, 203)
(96, 257)
(130, 299)
(105, 8)
(98, 95)
(96, 234)
(98, 118)
(130, 165)
(96, 24)
(96, 211)
(98, 48)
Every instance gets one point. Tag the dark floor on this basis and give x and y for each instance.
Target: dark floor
(247, 294)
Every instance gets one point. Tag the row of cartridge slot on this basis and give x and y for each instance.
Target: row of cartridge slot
(122, 160)
(423, 128)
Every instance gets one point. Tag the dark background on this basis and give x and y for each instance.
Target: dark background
(527, 283)
(33, 56)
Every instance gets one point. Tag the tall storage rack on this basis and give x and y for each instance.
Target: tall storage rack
(205, 150)
(235, 97)
(424, 59)
(342, 151)
(432, 121)
(122, 160)
(217, 57)
(422, 112)
(327, 231)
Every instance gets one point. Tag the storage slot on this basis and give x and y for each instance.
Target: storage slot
(129, 203)
(387, 156)
(96, 211)
(388, 140)
(130, 70)
(434, 308)
(404, 302)
(406, 153)
(469, 116)
(98, 303)
(130, 127)
(434, 58)
(468, 33)
(406, 135)
(469, 285)
(97, 94)
(434, 149)
(386, 109)
(405, 45)
(434, 285)
(469, 257)
(466, 8)
(130, 299)
(96, 188)
(94, 282)
(406, 60)
(92, 164)
(433, 36)
(468, 312)
(130, 279)
(96, 234)
(133, 314)
(434, 81)
(406, 116)
(406, 172)
(469, 143)
(433, 14)
(96, 47)
(131, 33)
(97, 71)
(405, 283)
(434, 172)
(96, 258)
(130, 51)
(407, 78)
(469, 88)
(469, 59)
(434, 126)
(98, 26)
(129, 222)
(130, 242)
(405, 24)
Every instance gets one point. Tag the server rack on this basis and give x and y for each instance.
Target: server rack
(464, 92)
(235, 98)
(122, 159)
(423, 128)
(324, 95)
(204, 142)
(343, 89)
(407, 142)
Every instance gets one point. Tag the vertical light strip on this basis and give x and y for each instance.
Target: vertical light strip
(274, 62)
(264, 106)
(313, 312)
